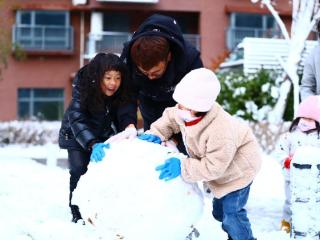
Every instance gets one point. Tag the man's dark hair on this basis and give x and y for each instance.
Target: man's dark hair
(147, 51)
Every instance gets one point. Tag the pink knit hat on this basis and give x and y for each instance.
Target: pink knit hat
(198, 90)
(310, 108)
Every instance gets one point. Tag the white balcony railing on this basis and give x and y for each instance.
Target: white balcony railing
(106, 42)
(43, 38)
(113, 42)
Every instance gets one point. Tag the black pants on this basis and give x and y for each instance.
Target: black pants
(152, 110)
(78, 165)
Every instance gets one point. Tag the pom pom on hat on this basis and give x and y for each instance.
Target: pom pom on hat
(310, 108)
(198, 90)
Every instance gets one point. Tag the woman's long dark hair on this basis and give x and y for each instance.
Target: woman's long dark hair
(91, 77)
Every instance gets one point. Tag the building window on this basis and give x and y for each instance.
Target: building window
(116, 22)
(43, 30)
(250, 25)
(42, 104)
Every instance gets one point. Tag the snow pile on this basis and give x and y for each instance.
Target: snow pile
(122, 194)
(30, 132)
(34, 201)
(305, 193)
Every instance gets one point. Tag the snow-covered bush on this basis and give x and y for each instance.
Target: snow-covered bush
(268, 134)
(29, 132)
(249, 97)
(40, 133)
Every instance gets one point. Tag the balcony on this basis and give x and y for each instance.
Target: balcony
(113, 42)
(236, 34)
(43, 38)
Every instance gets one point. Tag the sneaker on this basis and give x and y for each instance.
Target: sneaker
(76, 215)
(285, 226)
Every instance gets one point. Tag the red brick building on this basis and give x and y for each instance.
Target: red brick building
(59, 36)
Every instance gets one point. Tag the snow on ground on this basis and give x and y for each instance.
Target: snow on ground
(34, 200)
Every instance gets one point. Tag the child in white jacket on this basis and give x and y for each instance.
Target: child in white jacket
(304, 131)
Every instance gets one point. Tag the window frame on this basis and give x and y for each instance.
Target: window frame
(264, 20)
(44, 41)
(235, 34)
(33, 17)
(31, 100)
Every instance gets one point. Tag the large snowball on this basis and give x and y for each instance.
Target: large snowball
(123, 194)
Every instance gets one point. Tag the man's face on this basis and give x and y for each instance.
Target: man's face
(156, 71)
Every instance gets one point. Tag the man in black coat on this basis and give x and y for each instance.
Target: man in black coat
(158, 57)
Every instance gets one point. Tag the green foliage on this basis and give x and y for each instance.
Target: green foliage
(4, 51)
(4, 41)
(251, 96)
(288, 112)
(6, 47)
(19, 53)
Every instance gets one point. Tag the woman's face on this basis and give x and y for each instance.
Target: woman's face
(306, 124)
(111, 82)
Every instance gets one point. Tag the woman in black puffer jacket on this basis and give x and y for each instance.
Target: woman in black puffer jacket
(94, 114)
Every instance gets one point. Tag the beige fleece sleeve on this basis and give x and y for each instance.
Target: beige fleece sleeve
(220, 153)
(166, 125)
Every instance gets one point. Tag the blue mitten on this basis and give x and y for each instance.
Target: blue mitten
(150, 138)
(98, 152)
(170, 169)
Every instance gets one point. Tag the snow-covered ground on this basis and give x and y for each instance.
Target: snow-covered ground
(34, 200)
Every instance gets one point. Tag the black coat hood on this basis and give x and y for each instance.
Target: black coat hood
(160, 25)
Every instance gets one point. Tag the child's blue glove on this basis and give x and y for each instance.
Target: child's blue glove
(150, 138)
(98, 152)
(170, 169)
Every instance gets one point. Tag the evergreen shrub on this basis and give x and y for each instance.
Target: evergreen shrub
(249, 97)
